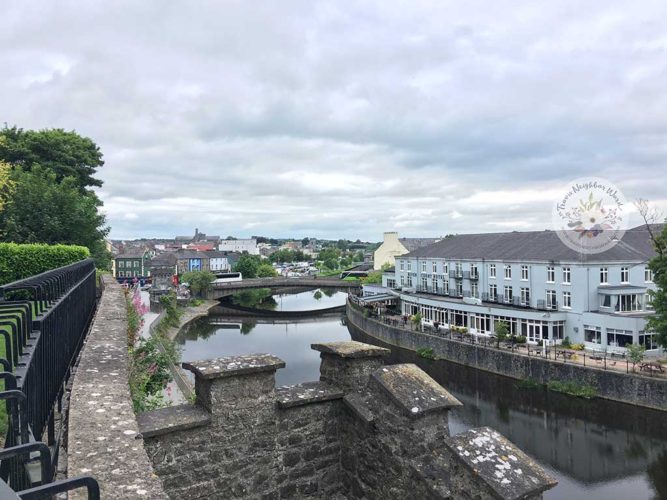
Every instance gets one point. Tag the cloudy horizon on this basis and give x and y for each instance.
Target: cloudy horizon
(345, 120)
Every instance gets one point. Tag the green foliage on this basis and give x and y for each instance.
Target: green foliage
(195, 302)
(521, 339)
(578, 347)
(373, 278)
(425, 352)
(636, 353)
(198, 281)
(43, 210)
(502, 331)
(566, 343)
(266, 271)
(416, 320)
(260, 298)
(150, 371)
(21, 261)
(573, 389)
(529, 383)
(286, 255)
(658, 322)
(248, 265)
(66, 154)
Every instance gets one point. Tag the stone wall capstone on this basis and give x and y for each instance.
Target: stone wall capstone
(364, 430)
(103, 436)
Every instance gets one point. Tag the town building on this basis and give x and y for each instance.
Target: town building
(163, 269)
(132, 262)
(191, 260)
(392, 246)
(244, 245)
(541, 288)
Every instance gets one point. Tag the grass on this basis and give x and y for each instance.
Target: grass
(570, 388)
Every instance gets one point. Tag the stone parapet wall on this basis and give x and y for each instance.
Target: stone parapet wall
(621, 387)
(103, 436)
(364, 430)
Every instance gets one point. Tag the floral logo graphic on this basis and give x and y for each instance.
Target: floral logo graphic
(589, 217)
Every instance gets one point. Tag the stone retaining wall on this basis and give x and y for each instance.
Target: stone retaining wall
(625, 388)
(103, 436)
(363, 430)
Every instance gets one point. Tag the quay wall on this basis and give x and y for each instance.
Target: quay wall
(628, 388)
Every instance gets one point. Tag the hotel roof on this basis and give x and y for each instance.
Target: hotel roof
(535, 246)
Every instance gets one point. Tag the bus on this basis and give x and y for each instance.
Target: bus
(227, 278)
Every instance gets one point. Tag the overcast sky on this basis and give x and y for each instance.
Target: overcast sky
(345, 119)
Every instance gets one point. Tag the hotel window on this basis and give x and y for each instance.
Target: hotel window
(445, 286)
(492, 270)
(619, 338)
(435, 267)
(647, 340)
(474, 290)
(525, 296)
(493, 292)
(648, 275)
(606, 301)
(409, 266)
(604, 275)
(524, 273)
(566, 276)
(423, 266)
(567, 299)
(459, 268)
(628, 303)
(402, 265)
(592, 334)
(409, 280)
(424, 284)
(558, 329)
(508, 294)
(402, 280)
(649, 300)
(459, 289)
(473, 271)
(445, 268)
(508, 272)
(551, 274)
(551, 299)
(434, 284)
(625, 274)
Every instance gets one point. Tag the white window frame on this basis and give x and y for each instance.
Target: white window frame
(492, 270)
(552, 300)
(524, 272)
(604, 275)
(567, 300)
(567, 276)
(648, 275)
(423, 266)
(474, 290)
(525, 296)
(402, 264)
(435, 267)
(625, 273)
(551, 274)
(493, 292)
(508, 271)
(507, 293)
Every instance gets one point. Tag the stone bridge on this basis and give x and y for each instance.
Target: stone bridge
(220, 290)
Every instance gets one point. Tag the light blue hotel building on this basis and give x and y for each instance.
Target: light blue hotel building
(540, 287)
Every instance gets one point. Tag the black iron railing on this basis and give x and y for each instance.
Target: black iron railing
(43, 322)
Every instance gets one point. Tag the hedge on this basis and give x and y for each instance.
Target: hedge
(22, 261)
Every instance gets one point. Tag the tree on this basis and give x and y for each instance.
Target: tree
(266, 271)
(635, 354)
(41, 210)
(416, 320)
(199, 281)
(359, 256)
(373, 278)
(502, 332)
(248, 265)
(658, 265)
(67, 154)
(305, 241)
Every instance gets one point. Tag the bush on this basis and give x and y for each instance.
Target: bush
(521, 339)
(566, 343)
(577, 347)
(22, 261)
(573, 389)
(425, 352)
(198, 281)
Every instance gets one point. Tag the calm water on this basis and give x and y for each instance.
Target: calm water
(596, 450)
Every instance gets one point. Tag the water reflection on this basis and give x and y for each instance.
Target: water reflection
(597, 449)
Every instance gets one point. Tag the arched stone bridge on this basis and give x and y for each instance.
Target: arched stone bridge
(220, 290)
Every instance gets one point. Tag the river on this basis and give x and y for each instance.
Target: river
(595, 449)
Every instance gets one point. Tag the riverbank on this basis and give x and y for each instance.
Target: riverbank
(616, 386)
